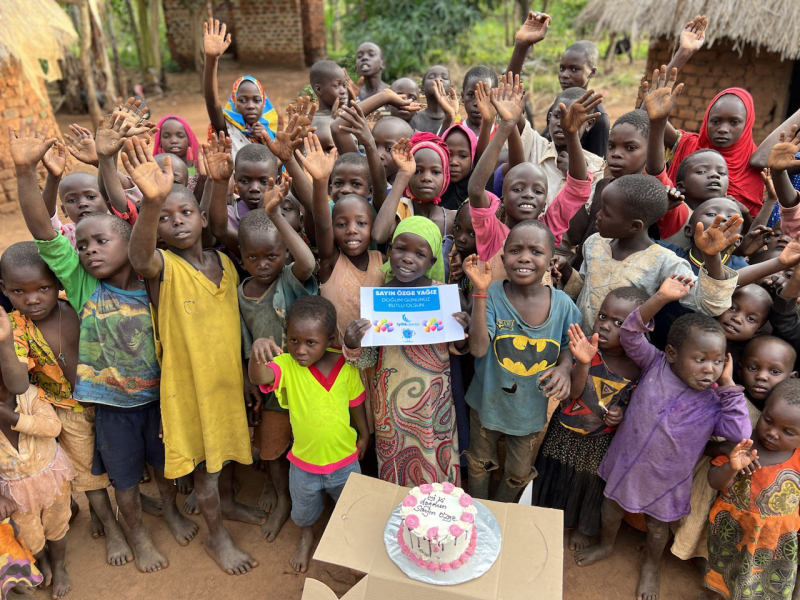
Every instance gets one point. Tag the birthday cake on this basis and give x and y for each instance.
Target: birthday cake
(437, 529)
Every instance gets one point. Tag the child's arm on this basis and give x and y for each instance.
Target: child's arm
(571, 123)
(155, 186)
(219, 167)
(789, 258)
(320, 165)
(264, 351)
(304, 263)
(488, 116)
(358, 417)
(448, 102)
(355, 123)
(28, 147)
(215, 42)
(81, 145)
(721, 477)
(479, 339)
(764, 213)
(14, 372)
(760, 158)
(672, 289)
(584, 350)
(55, 161)
(109, 140)
(781, 160)
(717, 238)
(384, 223)
(783, 315)
(344, 143)
(533, 31)
(659, 101)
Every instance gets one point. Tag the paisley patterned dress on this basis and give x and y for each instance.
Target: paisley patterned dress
(752, 536)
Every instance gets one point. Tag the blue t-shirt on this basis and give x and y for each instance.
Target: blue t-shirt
(506, 391)
(734, 262)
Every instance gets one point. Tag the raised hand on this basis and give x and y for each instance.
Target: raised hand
(133, 112)
(111, 134)
(674, 198)
(287, 138)
(55, 161)
(318, 164)
(142, 168)
(29, 144)
(215, 42)
(484, 100)
(661, 94)
(274, 195)
(769, 184)
(403, 158)
(353, 89)
(480, 278)
(675, 287)
(265, 350)
(719, 236)
(782, 155)
(217, 156)
(81, 144)
(447, 100)
(400, 101)
(790, 255)
(508, 98)
(742, 455)
(534, 29)
(305, 109)
(583, 349)
(694, 34)
(355, 122)
(580, 111)
(355, 332)
(756, 240)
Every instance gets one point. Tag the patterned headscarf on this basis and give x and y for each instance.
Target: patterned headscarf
(433, 142)
(427, 230)
(269, 117)
(194, 146)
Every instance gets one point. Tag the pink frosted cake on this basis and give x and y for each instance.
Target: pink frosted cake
(438, 526)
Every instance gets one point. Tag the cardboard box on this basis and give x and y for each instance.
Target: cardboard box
(529, 566)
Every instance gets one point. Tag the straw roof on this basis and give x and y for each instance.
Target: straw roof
(34, 30)
(770, 24)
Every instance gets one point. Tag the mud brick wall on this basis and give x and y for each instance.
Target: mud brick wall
(269, 31)
(313, 14)
(711, 70)
(18, 100)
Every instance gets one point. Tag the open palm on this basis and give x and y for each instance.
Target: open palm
(693, 35)
(719, 236)
(782, 155)
(146, 173)
(742, 455)
(318, 164)
(480, 278)
(215, 42)
(28, 146)
(582, 348)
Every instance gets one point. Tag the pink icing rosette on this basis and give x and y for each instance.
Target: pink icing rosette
(466, 517)
(426, 488)
(448, 487)
(455, 564)
(412, 521)
(465, 500)
(432, 566)
(455, 530)
(433, 533)
(410, 501)
(445, 567)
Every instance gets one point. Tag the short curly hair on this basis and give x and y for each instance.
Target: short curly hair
(638, 118)
(687, 325)
(788, 390)
(314, 308)
(643, 197)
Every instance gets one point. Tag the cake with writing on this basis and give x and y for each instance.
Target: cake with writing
(437, 530)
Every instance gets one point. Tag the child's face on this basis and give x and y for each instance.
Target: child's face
(428, 180)
(460, 155)
(292, 212)
(352, 225)
(611, 221)
(80, 196)
(726, 121)
(612, 314)
(369, 59)
(524, 192)
(410, 256)
(464, 234)
(470, 101)
(627, 150)
(331, 90)
(174, 139)
(305, 342)
(700, 360)
(263, 254)
(411, 90)
(556, 132)
(252, 179)
(708, 211)
(32, 290)
(748, 312)
(574, 70)
(705, 177)
(527, 256)
(386, 135)
(348, 178)
(249, 103)
(180, 174)
(764, 365)
(103, 252)
(436, 72)
(778, 429)
(181, 223)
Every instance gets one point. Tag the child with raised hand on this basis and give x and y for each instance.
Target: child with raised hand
(35, 472)
(370, 65)
(424, 450)
(202, 409)
(248, 112)
(175, 136)
(519, 336)
(753, 525)
(581, 429)
(432, 117)
(784, 158)
(407, 88)
(325, 399)
(673, 412)
(476, 75)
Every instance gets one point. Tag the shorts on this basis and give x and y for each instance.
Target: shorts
(48, 524)
(308, 491)
(77, 439)
(273, 435)
(127, 438)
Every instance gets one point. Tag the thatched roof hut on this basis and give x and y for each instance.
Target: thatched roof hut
(754, 44)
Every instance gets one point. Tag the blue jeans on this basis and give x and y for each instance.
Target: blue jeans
(308, 491)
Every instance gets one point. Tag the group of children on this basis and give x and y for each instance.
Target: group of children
(628, 297)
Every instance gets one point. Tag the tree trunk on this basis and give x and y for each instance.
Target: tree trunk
(122, 80)
(86, 66)
(101, 51)
(155, 44)
(135, 29)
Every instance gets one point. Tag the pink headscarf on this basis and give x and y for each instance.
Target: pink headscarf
(191, 151)
(473, 139)
(433, 142)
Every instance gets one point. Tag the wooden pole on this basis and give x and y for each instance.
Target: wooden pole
(155, 41)
(101, 50)
(86, 66)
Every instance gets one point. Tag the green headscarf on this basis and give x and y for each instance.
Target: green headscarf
(429, 231)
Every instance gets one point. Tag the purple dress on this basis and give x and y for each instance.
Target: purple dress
(648, 467)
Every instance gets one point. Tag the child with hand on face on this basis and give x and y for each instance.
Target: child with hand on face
(519, 337)
(752, 527)
(325, 399)
(408, 89)
(433, 118)
(581, 430)
(673, 412)
(387, 132)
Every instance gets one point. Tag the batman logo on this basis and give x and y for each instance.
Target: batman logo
(524, 356)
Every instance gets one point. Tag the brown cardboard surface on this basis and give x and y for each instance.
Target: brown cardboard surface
(530, 558)
(316, 590)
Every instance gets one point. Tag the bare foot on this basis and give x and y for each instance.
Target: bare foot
(592, 554)
(229, 557)
(578, 541)
(182, 528)
(275, 522)
(269, 497)
(145, 475)
(118, 552)
(98, 529)
(62, 584)
(43, 564)
(190, 505)
(302, 554)
(150, 505)
(185, 484)
(235, 511)
(648, 581)
(73, 506)
(148, 558)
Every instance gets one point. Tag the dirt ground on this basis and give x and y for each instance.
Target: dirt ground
(192, 573)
